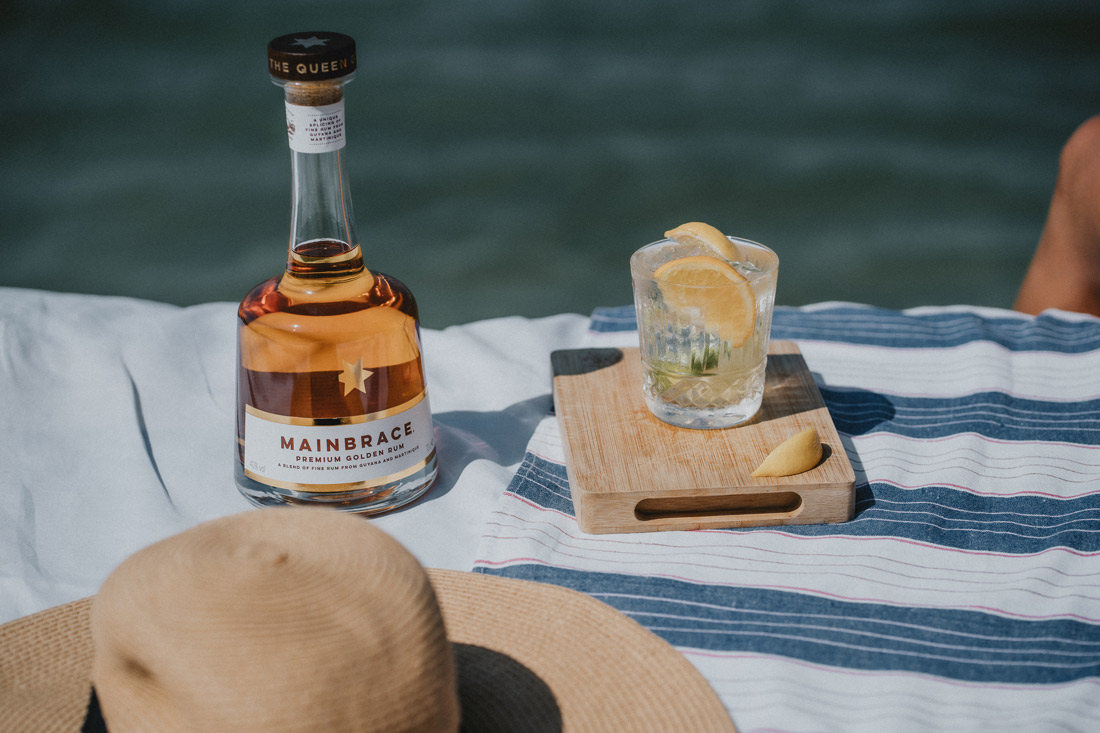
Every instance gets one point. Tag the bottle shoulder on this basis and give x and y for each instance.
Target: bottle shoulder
(311, 298)
(285, 328)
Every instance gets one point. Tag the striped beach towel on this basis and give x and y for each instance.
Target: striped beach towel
(965, 593)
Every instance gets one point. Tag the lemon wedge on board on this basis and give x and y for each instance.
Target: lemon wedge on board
(798, 453)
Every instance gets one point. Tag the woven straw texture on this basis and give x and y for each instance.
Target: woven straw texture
(184, 640)
(46, 669)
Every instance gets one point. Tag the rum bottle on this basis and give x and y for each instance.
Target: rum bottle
(332, 404)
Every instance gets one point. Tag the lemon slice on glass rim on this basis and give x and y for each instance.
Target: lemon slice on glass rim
(706, 237)
(710, 289)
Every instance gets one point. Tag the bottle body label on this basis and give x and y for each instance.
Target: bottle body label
(338, 454)
(317, 129)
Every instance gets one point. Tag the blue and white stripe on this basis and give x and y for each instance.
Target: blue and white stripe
(965, 593)
(921, 328)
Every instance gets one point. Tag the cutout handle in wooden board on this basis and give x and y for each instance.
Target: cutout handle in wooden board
(630, 472)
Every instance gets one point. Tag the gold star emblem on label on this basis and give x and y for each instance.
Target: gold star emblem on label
(355, 376)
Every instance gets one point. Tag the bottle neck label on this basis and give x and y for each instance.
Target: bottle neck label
(315, 129)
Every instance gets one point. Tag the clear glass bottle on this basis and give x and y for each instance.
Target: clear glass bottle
(332, 404)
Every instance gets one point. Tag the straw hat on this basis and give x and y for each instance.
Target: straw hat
(311, 620)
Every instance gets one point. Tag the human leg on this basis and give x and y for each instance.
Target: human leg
(1065, 269)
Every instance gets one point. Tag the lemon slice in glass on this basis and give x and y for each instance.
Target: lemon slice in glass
(708, 238)
(710, 289)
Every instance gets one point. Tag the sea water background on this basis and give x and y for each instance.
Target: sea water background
(508, 155)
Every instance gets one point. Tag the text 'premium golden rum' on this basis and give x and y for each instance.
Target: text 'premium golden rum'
(332, 405)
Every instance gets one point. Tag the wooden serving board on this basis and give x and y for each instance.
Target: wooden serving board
(630, 472)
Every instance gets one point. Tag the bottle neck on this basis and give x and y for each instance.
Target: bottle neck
(323, 240)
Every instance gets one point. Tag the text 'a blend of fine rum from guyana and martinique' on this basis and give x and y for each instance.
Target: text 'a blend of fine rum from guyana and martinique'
(332, 404)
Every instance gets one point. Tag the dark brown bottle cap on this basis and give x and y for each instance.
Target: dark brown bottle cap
(311, 56)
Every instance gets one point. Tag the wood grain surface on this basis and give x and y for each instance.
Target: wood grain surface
(630, 472)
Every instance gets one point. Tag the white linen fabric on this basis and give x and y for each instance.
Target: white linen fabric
(117, 430)
(963, 596)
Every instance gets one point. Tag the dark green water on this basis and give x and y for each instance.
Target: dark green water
(509, 156)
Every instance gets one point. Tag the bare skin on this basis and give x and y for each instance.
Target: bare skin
(1065, 270)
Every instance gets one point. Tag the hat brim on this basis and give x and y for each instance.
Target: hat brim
(530, 656)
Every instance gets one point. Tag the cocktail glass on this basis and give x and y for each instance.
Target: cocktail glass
(704, 347)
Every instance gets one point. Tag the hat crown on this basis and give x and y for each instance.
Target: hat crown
(275, 619)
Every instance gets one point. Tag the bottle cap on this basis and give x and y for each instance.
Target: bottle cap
(311, 56)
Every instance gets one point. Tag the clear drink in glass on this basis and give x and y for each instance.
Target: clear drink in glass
(702, 367)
